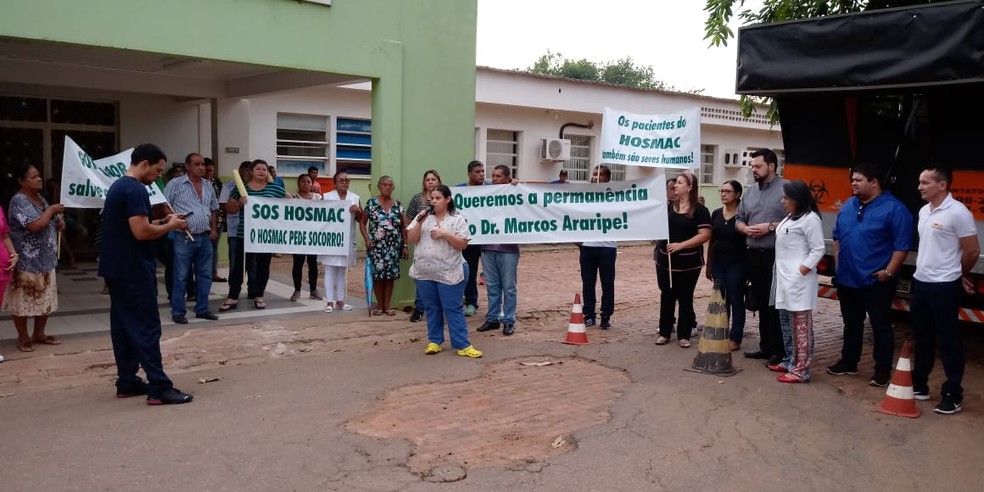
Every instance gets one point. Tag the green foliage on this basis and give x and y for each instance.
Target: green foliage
(720, 13)
(623, 72)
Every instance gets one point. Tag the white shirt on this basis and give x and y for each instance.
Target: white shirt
(798, 242)
(349, 259)
(940, 232)
(436, 259)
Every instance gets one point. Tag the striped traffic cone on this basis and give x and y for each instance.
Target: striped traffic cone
(713, 351)
(899, 396)
(575, 330)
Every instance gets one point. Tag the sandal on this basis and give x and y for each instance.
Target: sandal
(25, 346)
(390, 312)
(345, 307)
(661, 340)
(259, 303)
(377, 312)
(48, 340)
(329, 308)
(228, 305)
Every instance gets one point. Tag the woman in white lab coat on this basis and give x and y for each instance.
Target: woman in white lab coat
(799, 247)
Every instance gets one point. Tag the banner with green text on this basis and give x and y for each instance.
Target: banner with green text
(84, 182)
(564, 213)
(285, 225)
(651, 140)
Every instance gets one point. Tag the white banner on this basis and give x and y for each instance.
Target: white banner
(651, 140)
(285, 225)
(84, 182)
(564, 213)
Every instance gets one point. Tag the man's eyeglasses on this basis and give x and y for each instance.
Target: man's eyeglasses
(344, 180)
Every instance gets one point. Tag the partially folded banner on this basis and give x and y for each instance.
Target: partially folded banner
(84, 182)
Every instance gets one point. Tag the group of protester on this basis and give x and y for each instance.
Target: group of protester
(764, 244)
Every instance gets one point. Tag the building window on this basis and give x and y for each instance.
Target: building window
(353, 146)
(579, 166)
(302, 142)
(502, 148)
(707, 156)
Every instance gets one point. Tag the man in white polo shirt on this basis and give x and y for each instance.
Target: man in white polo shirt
(948, 249)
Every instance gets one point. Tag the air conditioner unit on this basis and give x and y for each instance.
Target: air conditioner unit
(746, 160)
(555, 149)
(732, 159)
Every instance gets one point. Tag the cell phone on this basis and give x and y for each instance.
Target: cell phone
(185, 216)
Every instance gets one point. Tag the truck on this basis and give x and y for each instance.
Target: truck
(902, 88)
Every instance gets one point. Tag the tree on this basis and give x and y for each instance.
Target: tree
(720, 13)
(623, 72)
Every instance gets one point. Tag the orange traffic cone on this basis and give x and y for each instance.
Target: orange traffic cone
(899, 396)
(713, 351)
(575, 330)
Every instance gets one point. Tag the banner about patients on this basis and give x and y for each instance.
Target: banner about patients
(564, 213)
(651, 140)
(297, 226)
(84, 182)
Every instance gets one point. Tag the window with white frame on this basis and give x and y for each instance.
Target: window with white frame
(708, 153)
(502, 148)
(579, 166)
(302, 142)
(353, 146)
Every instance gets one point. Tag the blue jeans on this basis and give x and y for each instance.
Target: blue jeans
(732, 277)
(188, 254)
(444, 301)
(500, 278)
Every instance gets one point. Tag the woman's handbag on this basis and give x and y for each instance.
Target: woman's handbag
(751, 298)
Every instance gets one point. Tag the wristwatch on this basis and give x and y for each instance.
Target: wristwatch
(772, 227)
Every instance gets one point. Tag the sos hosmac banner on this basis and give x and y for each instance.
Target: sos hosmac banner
(84, 181)
(564, 213)
(296, 226)
(651, 140)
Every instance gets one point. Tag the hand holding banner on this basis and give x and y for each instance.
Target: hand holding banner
(667, 140)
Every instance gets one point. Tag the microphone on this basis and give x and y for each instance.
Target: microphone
(416, 219)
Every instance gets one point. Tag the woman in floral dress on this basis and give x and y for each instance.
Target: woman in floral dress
(384, 231)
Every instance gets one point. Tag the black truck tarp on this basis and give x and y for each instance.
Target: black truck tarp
(919, 46)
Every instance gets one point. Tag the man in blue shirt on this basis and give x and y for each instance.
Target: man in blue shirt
(128, 266)
(872, 237)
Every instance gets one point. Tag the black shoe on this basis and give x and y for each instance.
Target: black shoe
(171, 396)
(129, 390)
(880, 379)
(508, 329)
(489, 326)
(948, 405)
(921, 394)
(775, 359)
(757, 355)
(179, 319)
(842, 368)
(416, 316)
(605, 323)
(589, 321)
(207, 315)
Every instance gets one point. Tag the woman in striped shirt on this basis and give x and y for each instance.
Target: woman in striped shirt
(257, 264)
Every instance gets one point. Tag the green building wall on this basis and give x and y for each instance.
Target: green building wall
(419, 55)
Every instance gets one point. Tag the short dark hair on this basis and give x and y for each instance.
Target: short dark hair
(768, 156)
(563, 172)
(245, 165)
(505, 170)
(735, 185)
(313, 168)
(870, 171)
(942, 174)
(190, 155)
(208, 161)
(473, 164)
(147, 152)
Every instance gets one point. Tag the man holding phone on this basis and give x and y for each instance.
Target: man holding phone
(193, 198)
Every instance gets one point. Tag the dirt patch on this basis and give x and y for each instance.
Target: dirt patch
(512, 415)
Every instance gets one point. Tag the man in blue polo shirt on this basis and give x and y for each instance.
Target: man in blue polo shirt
(872, 237)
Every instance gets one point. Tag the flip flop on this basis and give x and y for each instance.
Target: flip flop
(390, 312)
(329, 308)
(377, 312)
(27, 346)
(259, 303)
(48, 340)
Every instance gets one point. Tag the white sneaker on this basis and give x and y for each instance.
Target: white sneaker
(1, 358)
